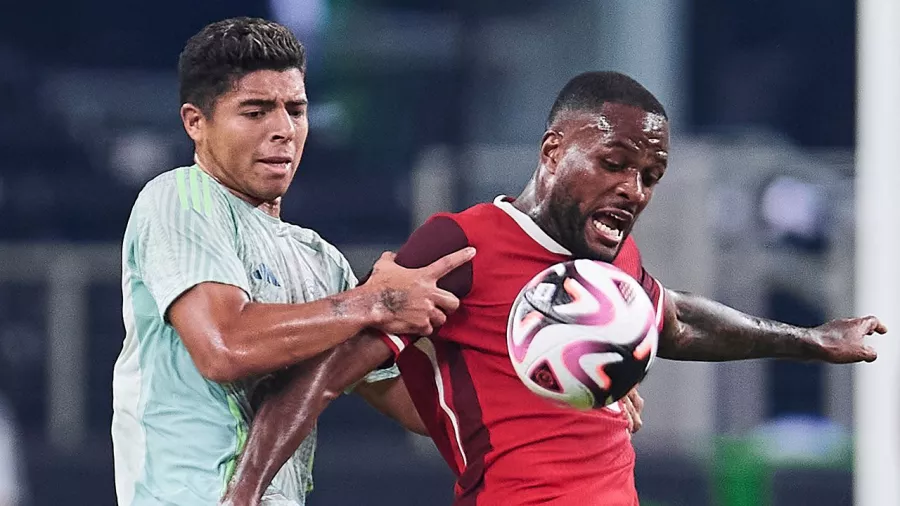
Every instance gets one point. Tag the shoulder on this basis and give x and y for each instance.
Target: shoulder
(158, 189)
(440, 235)
(457, 230)
(182, 189)
(185, 188)
(484, 226)
(183, 204)
(495, 225)
(478, 218)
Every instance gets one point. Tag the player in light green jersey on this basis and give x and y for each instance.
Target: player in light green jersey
(220, 293)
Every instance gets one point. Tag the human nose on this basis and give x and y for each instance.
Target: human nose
(632, 187)
(283, 127)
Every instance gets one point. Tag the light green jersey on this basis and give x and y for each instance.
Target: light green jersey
(176, 435)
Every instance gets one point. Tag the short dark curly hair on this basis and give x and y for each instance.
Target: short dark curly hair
(590, 90)
(224, 51)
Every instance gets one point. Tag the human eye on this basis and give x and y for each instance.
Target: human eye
(651, 177)
(612, 164)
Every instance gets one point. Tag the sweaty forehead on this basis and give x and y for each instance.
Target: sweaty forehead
(615, 120)
(284, 85)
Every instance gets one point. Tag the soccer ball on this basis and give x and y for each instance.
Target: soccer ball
(582, 333)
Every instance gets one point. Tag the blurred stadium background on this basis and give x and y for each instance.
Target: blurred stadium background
(426, 105)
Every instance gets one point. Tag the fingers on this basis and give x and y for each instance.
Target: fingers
(445, 300)
(437, 318)
(444, 265)
(387, 256)
(423, 330)
(869, 354)
(873, 325)
(627, 408)
(637, 403)
(426, 324)
(869, 324)
(634, 417)
(637, 400)
(877, 326)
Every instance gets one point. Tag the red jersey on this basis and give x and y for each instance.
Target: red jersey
(506, 445)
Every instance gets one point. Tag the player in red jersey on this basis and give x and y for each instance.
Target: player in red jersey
(604, 151)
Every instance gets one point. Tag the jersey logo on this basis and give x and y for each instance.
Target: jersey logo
(193, 190)
(263, 273)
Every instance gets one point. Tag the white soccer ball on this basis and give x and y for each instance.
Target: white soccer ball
(582, 333)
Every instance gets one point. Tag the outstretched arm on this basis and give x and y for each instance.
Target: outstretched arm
(700, 329)
(291, 408)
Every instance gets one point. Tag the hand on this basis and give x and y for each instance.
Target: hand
(408, 301)
(633, 406)
(841, 341)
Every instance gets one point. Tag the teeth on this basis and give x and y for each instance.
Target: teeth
(607, 230)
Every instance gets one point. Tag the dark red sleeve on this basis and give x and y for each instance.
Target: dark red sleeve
(439, 236)
(629, 260)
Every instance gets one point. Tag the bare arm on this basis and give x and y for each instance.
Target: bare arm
(290, 411)
(391, 398)
(287, 417)
(230, 338)
(700, 329)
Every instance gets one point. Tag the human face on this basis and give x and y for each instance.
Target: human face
(602, 168)
(253, 138)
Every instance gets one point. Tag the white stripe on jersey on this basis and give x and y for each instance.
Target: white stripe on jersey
(397, 342)
(427, 347)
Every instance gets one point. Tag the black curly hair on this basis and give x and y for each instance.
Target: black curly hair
(224, 51)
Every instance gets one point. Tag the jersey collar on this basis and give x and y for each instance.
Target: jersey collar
(530, 227)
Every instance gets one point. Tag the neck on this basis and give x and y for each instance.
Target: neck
(535, 202)
(271, 208)
(527, 201)
(207, 165)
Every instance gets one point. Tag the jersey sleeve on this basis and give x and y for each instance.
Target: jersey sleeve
(184, 237)
(347, 280)
(629, 260)
(438, 237)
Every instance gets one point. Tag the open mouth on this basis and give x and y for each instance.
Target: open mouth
(278, 162)
(611, 224)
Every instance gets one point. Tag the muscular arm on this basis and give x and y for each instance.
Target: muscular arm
(700, 329)
(230, 337)
(287, 417)
(290, 411)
